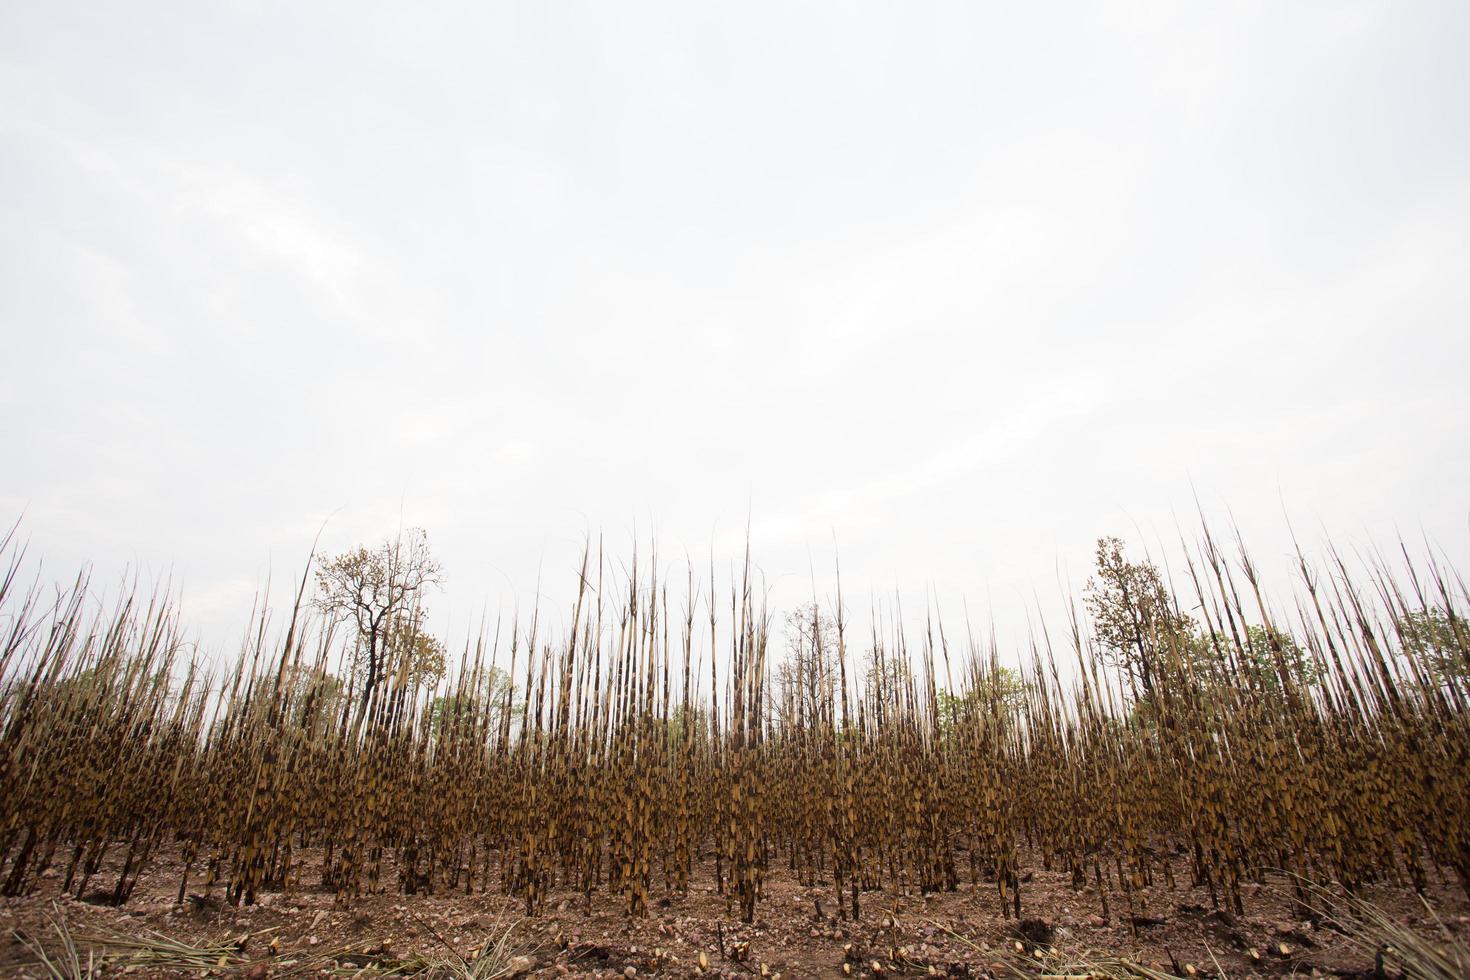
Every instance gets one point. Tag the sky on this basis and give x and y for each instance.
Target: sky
(946, 291)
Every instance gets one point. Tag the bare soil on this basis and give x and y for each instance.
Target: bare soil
(797, 932)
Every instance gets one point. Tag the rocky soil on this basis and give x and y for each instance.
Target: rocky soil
(796, 934)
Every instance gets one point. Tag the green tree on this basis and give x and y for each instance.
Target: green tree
(1216, 659)
(998, 692)
(481, 703)
(685, 720)
(1439, 639)
(1134, 619)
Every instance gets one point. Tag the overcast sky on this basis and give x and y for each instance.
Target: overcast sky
(960, 287)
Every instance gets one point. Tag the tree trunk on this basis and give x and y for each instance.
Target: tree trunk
(372, 671)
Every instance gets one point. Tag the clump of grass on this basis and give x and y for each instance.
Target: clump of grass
(497, 956)
(1392, 943)
(63, 960)
(153, 950)
(109, 949)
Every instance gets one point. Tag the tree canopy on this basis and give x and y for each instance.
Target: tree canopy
(380, 591)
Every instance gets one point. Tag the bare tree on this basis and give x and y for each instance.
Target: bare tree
(805, 679)
(380, 589)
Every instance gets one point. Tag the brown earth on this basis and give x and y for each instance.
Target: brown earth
(796, 933)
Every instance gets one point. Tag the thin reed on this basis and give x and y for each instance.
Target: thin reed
(672, 726)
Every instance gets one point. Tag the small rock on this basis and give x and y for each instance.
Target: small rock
(630, 972)
(518, 966)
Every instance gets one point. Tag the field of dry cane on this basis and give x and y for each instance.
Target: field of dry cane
(644, 744)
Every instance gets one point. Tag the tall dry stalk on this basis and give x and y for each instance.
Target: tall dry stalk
(638, 748)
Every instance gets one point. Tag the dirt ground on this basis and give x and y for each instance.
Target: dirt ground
(796, 934)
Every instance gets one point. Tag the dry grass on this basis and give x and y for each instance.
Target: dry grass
(65, 954)
(62, 959)
(1396, 946)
